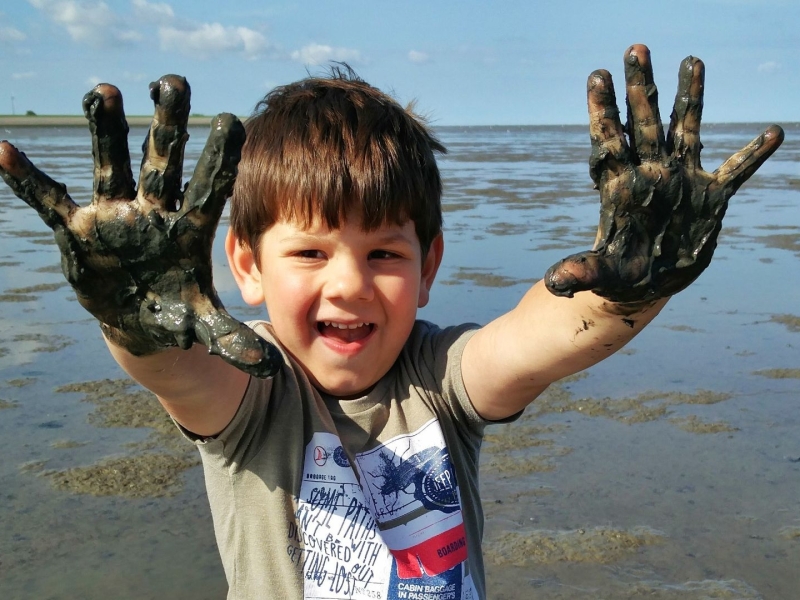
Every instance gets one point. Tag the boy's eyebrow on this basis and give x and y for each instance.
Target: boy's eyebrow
(389, 238)
(299, 237)
(383, 238)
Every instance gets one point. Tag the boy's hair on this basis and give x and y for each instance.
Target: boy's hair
(320, 148)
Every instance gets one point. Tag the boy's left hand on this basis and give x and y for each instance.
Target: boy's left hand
(661, 212)
(139, 260)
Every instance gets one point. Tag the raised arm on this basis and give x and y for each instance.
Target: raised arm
(660, 217)
(139, 260)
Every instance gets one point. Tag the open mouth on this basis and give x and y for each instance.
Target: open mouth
(344, 332)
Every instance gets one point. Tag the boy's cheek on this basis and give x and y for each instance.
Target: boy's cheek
(288, 296)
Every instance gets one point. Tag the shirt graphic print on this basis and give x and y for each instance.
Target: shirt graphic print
(397, 535)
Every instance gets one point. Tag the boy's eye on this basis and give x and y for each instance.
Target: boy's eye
(309, 254)
(382, 254)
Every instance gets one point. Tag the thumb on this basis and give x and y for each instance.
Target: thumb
(580, 272)
(238, 345)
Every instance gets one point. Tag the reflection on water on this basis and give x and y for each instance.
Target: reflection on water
(671, 470)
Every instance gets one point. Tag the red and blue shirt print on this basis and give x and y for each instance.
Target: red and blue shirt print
(396, 534)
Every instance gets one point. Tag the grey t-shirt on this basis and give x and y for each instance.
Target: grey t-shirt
(374, 498)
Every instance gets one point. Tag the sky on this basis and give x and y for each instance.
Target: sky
(463, 63)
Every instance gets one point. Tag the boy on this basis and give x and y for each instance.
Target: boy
(341, 453)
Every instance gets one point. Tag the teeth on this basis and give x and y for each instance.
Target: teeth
(343, 325)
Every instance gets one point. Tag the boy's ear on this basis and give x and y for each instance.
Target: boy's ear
(242, 262)
(430, 266)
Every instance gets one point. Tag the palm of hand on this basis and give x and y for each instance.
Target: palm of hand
(661, 212)
(140, 260)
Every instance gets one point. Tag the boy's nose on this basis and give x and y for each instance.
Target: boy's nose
(350, 281)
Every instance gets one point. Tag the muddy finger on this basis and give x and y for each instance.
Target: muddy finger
(610, 150)
(162, 165)
(237, 344)
(580, 272)
(683, 139)
(739, 167)
(644, 120)
(45, 195)
(215, 173)
(113, 178)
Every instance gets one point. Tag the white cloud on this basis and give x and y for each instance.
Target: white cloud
(768, 67)
(26, 75)
(95, 23)
(94, 80)
(152, 12)
(254, 42)
(418, 57)
(88, 22)
(317, 54)
(211, 38)
(9, 34)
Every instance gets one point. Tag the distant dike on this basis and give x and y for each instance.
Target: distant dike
(7, 121)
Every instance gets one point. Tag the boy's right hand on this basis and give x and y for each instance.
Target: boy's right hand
(661, 212)
(140, 260)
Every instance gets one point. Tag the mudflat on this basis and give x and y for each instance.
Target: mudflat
(669, 471)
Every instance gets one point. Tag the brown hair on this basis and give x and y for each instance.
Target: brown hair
(322, 147)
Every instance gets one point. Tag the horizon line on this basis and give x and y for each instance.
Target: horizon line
(196, 120)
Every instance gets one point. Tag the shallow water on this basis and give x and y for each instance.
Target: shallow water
(671, 470)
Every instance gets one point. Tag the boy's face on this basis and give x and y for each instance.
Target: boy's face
(343, 301)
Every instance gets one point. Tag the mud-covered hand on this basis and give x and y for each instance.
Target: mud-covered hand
(661, 212)
(140, 260)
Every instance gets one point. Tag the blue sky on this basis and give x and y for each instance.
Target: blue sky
(465, 63)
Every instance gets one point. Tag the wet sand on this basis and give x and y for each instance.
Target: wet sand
(671, 471)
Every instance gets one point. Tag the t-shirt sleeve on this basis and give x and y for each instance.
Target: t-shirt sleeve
(439, 353)
(238, 441)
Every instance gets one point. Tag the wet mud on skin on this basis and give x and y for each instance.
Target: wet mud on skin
(608, 451)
